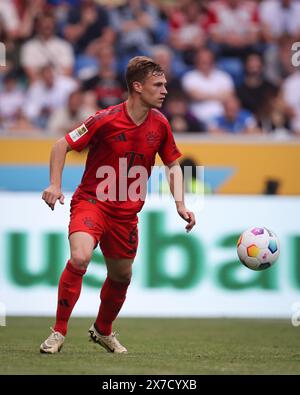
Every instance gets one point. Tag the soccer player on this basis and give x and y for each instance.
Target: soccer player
(131, 133)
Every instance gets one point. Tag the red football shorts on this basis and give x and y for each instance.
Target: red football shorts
(118, 238)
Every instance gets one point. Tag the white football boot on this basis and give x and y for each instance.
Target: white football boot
(53, 344)
(110, 342)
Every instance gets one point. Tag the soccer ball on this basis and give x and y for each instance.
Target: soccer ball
(258, 248)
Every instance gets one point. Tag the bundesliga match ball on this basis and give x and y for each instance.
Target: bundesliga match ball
(258, 248)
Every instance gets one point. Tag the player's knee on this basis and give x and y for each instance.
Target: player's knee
(126, 278)
(80, 259)
(122, 277)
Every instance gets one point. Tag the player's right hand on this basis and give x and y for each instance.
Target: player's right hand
(51, 195)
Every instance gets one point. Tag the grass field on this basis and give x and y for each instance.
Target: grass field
(156, 346)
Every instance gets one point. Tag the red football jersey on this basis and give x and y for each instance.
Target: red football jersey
(115, 139)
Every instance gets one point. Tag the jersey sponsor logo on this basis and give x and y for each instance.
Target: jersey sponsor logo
(79, 132)
(133, 158)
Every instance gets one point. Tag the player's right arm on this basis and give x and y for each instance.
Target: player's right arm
(77, 140)
(57, 162)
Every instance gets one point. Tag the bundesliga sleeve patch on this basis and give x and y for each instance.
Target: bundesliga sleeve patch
(79, 132)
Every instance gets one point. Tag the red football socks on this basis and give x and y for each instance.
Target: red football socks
(113, 295)
(69, 289)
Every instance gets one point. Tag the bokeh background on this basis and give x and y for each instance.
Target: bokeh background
(234, 107)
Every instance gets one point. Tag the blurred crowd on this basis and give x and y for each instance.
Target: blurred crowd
(227, 62)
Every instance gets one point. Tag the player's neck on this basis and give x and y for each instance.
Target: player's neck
(136, 110)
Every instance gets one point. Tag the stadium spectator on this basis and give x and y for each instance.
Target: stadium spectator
(271, 187)
(274, 115)
(44, 48)
(179, 116)
(172, 66)
(11, 99)
(9, 18)
(278, 65)
(9, 57)
(85, 24)
(23, 127)
(189, 24)
(255, 89)
(235, 33)
(32, 31)
(234, 121)
(291, 95)
(28, 13)
(46, 94)
(107, 84)
(236, 30)
(68, 117)
(57, 3)
(280, 17)
(135, 23)
(193, 177)
(207, 87)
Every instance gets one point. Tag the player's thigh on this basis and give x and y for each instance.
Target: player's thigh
(85, 230)
(86, 217)
(119, 269)
(81, 246)
(120, 240)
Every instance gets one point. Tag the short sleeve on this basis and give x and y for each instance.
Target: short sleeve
(168, 150)
(79, 138)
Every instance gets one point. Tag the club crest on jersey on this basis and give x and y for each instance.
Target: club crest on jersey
(152, 138)
(79, 132)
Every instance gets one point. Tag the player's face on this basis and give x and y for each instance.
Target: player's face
(154, 91)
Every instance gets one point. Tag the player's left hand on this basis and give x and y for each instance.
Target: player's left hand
(188, 216)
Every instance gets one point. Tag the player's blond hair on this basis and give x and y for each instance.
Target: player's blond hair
(139, 68)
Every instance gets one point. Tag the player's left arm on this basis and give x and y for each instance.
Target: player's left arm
(175, 179)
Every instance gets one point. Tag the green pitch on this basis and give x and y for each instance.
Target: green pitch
(156, 346)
